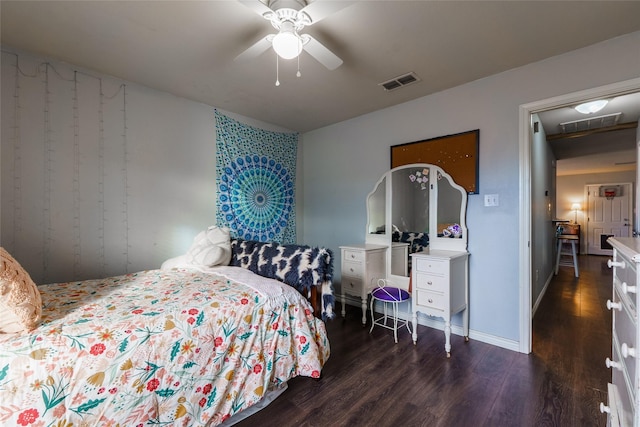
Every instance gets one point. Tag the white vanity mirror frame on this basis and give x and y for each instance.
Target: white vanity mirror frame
(435, 242)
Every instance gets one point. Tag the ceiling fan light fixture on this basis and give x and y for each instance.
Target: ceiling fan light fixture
(287, 43)
(591, 106)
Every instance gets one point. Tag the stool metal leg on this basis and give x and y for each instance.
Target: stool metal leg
(373, 316)
(395, 321)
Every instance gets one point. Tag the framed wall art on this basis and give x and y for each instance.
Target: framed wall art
(456, 154)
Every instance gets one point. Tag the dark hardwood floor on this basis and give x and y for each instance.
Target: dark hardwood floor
(370, 381)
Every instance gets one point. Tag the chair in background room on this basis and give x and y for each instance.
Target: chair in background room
(568, 236)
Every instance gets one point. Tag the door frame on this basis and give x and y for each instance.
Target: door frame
(525, 131)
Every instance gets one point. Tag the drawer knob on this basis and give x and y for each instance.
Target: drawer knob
(618, 264)
(614, 305)
(430, 300)
(429, 283)
(604, 408)
(353, 256)
(611, 364)
(628, 289)
(627, 351)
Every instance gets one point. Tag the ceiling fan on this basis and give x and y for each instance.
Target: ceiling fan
(290, 17)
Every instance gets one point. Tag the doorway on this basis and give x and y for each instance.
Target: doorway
(525, 237)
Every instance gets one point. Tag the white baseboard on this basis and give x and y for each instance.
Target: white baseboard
(544, 290)
(437, 323)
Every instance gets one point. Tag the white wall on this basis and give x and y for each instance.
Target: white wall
(71, 210)
(342, 162)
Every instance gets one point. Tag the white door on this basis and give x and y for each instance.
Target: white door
(607, 216)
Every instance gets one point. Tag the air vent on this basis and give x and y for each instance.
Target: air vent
(400, 81)
(590, 123)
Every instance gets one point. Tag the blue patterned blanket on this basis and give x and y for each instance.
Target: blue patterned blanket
(299, 266)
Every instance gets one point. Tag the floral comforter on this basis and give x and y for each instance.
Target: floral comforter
(177, 347)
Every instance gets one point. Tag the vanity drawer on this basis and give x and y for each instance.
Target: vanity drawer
(354, 256)
(351, 285)
(431, 300)
(431, 282)
(354, 269)
(432, 266)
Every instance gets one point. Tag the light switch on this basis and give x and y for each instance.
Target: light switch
(491, 200)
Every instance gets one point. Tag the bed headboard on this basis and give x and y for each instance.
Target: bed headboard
(306, 268)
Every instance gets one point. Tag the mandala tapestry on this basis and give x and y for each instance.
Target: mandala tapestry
(255, 175)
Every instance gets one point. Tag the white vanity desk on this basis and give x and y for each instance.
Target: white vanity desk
(416, 226)
(362, 266)
(440, 289)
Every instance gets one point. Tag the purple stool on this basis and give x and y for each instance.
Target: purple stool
(389, 295)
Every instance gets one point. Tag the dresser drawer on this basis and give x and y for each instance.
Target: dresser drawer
(624, 402)
(354, 269)
(626, 273)
(431, 282)
(432, 266)
(352, 285)
(613, 418)
(624, 331)
(431, 300)
(626, 276)
(351, 255)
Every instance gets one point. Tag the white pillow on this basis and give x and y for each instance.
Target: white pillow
(210, 247)
(20, 302)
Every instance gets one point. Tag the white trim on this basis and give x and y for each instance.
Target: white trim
(436, 323)
(526, 110)
(544, 290)
(524, 262)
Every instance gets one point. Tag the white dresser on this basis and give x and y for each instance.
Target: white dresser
(362, 266)
(440, 288)
(623, 391)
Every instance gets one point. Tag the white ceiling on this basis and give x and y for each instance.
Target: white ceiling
(611, 151)
(188, 48)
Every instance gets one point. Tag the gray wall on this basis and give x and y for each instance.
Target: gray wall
(543, 196)
(342, 163)
(72, 210)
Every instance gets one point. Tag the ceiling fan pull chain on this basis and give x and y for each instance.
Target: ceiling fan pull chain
(277, 70)
(298, 73)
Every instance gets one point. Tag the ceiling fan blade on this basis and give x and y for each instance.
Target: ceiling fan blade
(321, 53)
(257, 6)
(257, 49)
(320, 9)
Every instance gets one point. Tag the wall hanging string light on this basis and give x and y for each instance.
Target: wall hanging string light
(56, 108)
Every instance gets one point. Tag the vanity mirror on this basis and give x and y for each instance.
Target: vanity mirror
(416, 239)
(376, 209)
(423, 208)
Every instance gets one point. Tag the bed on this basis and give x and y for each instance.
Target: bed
(184, 347)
